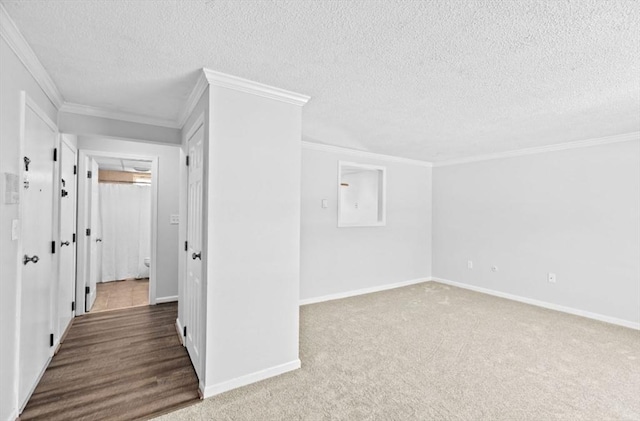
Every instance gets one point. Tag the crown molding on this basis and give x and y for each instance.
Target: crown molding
(541, 149)
(197, 91)
(362, 154)
(89, 110)
(239, 84)
(10, 32)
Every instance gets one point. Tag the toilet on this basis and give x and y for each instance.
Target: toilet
(146, 261)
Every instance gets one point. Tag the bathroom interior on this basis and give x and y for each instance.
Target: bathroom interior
(124, 237)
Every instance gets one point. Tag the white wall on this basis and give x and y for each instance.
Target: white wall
(106, 127)
(339, 260)
(574, 212)
(168, 196)
(253, 230)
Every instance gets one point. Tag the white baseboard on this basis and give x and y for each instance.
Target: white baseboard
(219, 388)
(544, 304)
(168, 299)
(14, 416)
(179, 330)
(34, 385)
(362, 291)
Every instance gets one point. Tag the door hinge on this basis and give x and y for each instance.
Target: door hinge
(88, 231)
(89, 174)
(75, 169)
(186, 246)
(73, 306)
(51, 339)
(53, 247)
(187, 160)
(74, 237)
(55, 154)
(184, 331)
(87, 290)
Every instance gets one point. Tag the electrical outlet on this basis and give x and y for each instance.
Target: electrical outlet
(494, 268)
(469, 264)
(174, 219)
(551, 277)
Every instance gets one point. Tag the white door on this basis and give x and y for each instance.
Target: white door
(193, 285)
(67, 274)
(95, 249)
(37, 259)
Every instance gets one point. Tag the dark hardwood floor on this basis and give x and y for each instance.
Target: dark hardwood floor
(117, 365)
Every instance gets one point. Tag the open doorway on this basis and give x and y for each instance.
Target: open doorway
(117, 207)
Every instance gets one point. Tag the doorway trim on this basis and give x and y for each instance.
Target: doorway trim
(81, 282)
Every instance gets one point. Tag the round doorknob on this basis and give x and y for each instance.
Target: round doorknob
(26, 259)
(195, 256)
(98, 240)
(64, 243)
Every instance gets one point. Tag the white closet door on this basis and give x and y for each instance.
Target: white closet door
(193, 284)
(67, 276)
(37, 259)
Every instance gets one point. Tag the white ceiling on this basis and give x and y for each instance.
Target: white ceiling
(429, 80)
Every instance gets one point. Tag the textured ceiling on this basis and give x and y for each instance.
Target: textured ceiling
(429, 80)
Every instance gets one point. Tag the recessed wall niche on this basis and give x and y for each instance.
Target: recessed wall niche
(361, 195)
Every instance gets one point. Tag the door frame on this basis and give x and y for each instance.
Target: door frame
(27, 102)
(82, 246)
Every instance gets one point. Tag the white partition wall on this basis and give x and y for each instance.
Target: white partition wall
(251, 247)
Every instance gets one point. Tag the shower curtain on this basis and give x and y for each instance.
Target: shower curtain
(125, 212)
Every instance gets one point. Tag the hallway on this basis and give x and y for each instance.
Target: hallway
(117, 365)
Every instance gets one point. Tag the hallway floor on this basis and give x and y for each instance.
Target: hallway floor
(121, 294)
(117, 365)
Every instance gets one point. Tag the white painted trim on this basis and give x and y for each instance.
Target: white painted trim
(219, 388)
(353, 293)
(541, 149)
(543, 304)
(101, 112)
(81, 281)
(167, 299)
(199, 88)
(239, 84)
(381, 221)
(10, 32)
(14, 416)
(153, 266)
(37, 382)
(179, 330)
(199, 122)
(40, 113)
(362, 154)
(18, 320)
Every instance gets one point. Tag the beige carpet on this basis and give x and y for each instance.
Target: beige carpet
(434, 352)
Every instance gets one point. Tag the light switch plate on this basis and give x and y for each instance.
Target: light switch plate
(325, 203)
(174, 219)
